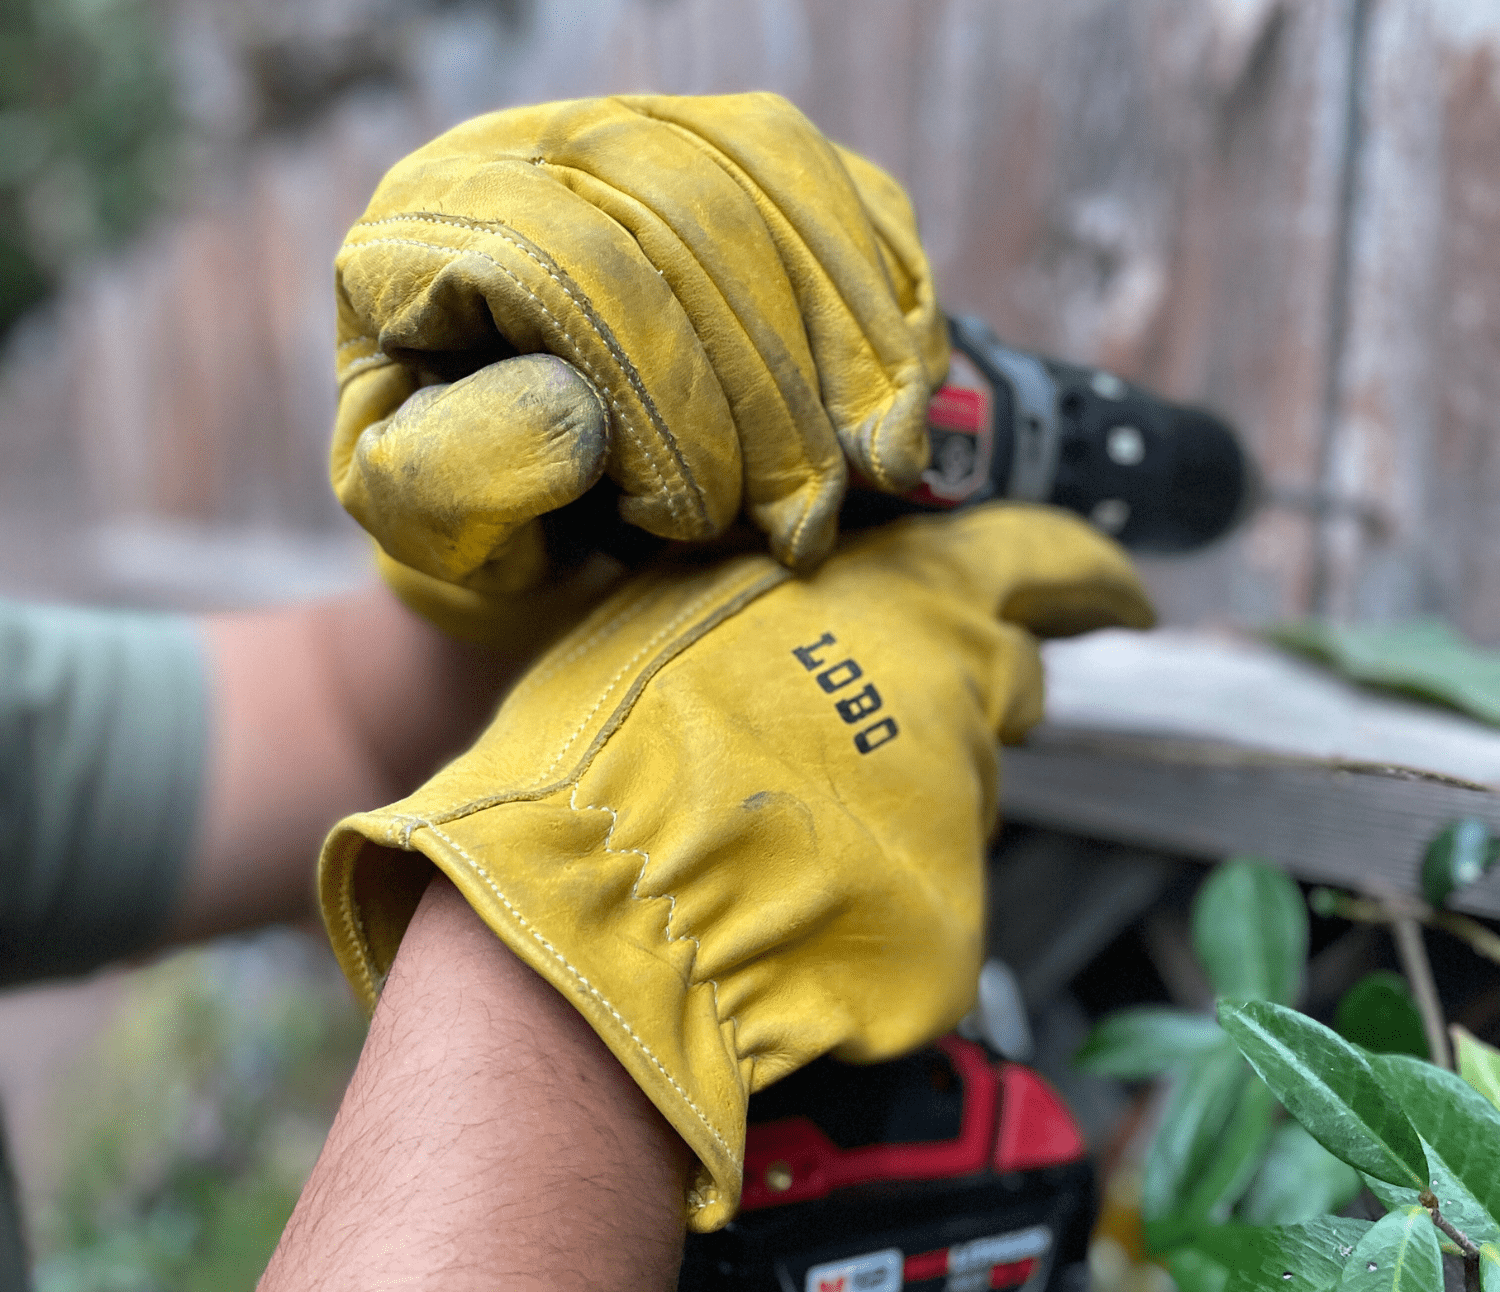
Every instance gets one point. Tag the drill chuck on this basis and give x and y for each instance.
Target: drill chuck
(1158, 476)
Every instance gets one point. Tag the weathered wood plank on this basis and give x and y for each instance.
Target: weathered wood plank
(1210, 746)
(1358, 827)
(1235, 690)
(1146, 185)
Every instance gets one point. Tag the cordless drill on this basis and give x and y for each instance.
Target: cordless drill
(1160, 477)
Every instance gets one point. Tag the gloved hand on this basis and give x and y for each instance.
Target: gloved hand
(743, 306)
(738, 818)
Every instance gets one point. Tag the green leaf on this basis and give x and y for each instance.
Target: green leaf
(1379, 1014)
(1138, 1043)
(1250, 932)
(1236, 1155)
(1239, 1153)
(1193, 1270)
(1192, 1124)
(1423, 657)
(1400, 1254)
(1478, 1063)
(1262, 1259)
(1455, 1122)
(1489, 1268)
(1457, 856)
(1298, 1179)
(1328, 1086)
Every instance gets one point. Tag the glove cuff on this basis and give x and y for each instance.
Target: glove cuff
(674, 1046)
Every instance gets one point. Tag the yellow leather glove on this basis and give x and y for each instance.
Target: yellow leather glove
(738, 818)
(743, 305)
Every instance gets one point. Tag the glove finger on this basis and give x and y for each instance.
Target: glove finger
(452, 482)
(1038, 567)
(895, 225)
(706, 263)
(773, 321)
(700, 238)
(872, 377)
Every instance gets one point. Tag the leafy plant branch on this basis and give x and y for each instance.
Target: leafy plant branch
(1483, 941)
(1232, 1201)
(1456, 857)
(1407, 934)
(1461, 1240)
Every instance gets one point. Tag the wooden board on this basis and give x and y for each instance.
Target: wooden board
(1209, 746)
(1362, 827)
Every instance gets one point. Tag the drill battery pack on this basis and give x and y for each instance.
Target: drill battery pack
(945, 1171)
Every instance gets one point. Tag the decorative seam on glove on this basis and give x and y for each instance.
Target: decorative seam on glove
(826, 902)
(364, 365)
(536, 677)
(665, 440)
(721, 602)
(635, 895)
(360, 363)
(692, 608)
(539, 785)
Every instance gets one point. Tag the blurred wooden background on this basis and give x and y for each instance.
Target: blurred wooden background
(1288, 209)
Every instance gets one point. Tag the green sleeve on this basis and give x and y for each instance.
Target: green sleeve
(103, 739)
(15, 1263)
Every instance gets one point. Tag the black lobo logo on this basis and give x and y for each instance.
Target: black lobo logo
(854, 708)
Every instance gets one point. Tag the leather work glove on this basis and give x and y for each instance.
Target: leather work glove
(741, 304)
(738, 818)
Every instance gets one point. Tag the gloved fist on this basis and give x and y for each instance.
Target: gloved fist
(741, 304)
(738, 818)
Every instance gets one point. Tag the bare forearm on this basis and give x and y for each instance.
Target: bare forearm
(488, 1140)
(319, 710)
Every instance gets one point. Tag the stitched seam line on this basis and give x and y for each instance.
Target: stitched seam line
(479, 805)
(354, 340)
(585, 307)
(598, 398)
(741, 176)
(614, 820)
(737, 598)
(536, 935)
(666, 630)
(534, 680)
(627, 369)
(805, 439)
(354, 931)
(368, 361)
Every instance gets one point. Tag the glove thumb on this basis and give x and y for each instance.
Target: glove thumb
(451, 484)
(1037, 567)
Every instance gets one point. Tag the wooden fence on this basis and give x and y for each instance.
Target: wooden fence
(1287, 209)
